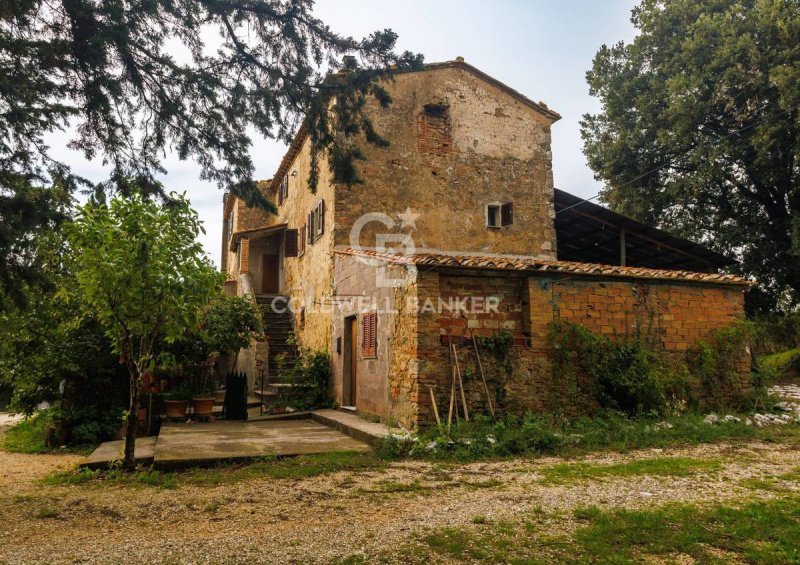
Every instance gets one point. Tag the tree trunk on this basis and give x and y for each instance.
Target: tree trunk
(129, 462)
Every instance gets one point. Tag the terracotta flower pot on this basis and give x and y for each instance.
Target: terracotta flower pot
(203, 407)
(176, 409)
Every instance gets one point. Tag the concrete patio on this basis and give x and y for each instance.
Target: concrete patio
(185, 445)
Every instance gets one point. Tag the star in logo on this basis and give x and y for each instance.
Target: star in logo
(408, 219)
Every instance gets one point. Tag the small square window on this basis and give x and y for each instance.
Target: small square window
(493, 216)
(499, 215)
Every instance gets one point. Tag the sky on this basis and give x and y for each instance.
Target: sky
(542, 48)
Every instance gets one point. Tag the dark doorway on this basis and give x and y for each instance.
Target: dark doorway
(350, 361)
(270, 274)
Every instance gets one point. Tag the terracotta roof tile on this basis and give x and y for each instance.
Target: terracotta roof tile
(519, 263)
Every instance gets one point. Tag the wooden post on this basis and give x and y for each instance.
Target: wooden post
(622, 250)
(452, 387)
(461, 384)
(435, 410)
(483, 375)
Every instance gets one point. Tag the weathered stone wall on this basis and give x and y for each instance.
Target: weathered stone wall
(488, 148)
(385, 383)
(308, 280)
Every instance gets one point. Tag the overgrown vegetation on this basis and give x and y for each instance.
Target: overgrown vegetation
(310, 375)
(538, 434)
(29, 436)
(630, 373)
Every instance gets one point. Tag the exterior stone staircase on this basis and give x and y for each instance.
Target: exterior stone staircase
(279, 327)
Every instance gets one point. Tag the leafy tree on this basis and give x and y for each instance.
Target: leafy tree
(137, 78)
(140, 270)
(52, 350)
(230, 324)
(226, 325)
(700, 129)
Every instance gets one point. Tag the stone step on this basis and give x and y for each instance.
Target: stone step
(372, 433)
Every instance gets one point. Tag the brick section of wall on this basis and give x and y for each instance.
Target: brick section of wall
(250, 218)
(680, 314)
(485, 305)
(434, 134)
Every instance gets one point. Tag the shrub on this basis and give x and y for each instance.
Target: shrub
(311, 376)
(713, 362)
(626, 374)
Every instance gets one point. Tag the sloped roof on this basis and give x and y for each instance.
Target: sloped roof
(532, 264)
(586, 231)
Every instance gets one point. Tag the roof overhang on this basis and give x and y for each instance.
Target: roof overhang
(258, 233)
(476, 262)
(588, 232)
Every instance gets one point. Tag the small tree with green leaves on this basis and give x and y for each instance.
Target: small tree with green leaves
(141, 271)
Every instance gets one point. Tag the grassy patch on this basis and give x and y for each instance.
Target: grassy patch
(288, 468)
(48, 513)
(752, 532)
(777, 483)
(658, 466)
(783, 364)
(27, 436)
(756, 532)
(541, 434)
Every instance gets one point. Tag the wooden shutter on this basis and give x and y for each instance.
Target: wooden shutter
(321, 217)
(373, 334)
(290, 243)
(365, 333)
(507, 214)
(369, 334)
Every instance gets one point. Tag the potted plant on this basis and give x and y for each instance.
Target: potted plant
(203, 395)
(177, 401)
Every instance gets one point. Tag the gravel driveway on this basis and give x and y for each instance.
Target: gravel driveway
(331, 517)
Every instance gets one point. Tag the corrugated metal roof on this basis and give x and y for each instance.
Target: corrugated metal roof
(532, 264)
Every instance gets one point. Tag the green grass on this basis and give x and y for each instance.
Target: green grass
(751, 532)
(755, 532)
(776, 483)
(286, 468)
(540, 434)
(27, 436)
(659, 466)
(783, 363)
(48, 513)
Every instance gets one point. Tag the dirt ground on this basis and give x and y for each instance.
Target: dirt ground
(333, 517)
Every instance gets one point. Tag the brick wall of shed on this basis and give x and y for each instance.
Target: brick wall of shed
(680, 314)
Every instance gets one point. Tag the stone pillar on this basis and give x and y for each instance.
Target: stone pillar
(434, 367)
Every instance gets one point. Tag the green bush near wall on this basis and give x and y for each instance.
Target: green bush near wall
(630, 373)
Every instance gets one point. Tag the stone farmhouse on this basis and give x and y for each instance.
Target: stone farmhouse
(456, 230)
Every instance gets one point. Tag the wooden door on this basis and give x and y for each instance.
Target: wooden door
(350, 358)
(270, 274)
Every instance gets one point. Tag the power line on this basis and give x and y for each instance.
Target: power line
(715, 141)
